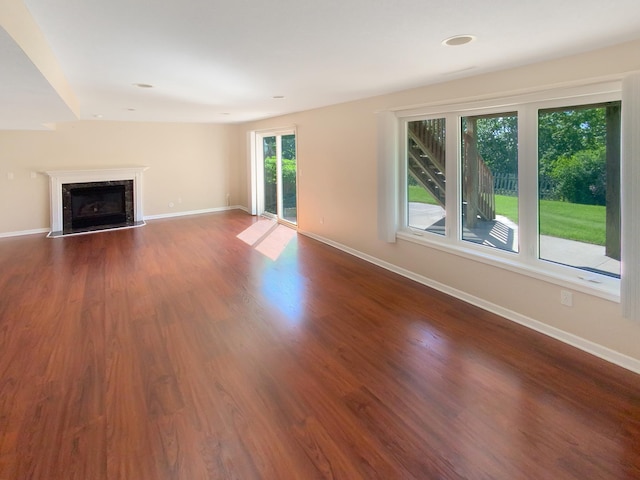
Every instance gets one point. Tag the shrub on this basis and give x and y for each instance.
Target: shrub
(288, 170)
(582, 177)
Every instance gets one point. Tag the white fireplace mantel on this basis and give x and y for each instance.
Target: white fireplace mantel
(57, 178)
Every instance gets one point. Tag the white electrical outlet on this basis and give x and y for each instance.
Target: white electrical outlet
(566, 298)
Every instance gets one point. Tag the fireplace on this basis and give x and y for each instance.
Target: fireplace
(97, 205)
(91, 200)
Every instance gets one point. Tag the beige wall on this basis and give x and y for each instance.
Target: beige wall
(190, 165)
(338, 184)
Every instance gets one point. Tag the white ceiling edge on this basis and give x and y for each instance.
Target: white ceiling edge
(34, 93)
(41, 106)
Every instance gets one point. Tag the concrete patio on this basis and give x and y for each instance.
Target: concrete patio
(503, 234)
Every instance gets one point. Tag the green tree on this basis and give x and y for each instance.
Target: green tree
(269, 147)
(270, 169)
(288, 159)
(289, 147)
(582, 177)
(288, 170)
(498, 143)
(563, 133)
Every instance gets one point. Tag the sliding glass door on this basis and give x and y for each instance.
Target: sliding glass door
(277, 164)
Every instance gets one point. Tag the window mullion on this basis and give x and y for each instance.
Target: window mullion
(279, 207)
(453, 196)
(528, 182)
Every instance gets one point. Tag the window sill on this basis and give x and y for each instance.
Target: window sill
(572, 278)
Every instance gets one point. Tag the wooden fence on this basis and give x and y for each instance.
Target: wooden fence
(507, 184)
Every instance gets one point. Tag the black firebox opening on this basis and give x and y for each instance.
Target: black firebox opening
(98, 206)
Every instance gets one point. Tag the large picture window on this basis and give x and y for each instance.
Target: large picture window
(534, 186)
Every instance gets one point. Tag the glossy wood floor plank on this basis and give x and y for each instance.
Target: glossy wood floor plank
(177, 351)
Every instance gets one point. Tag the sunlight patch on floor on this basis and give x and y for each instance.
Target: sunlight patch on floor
(267, 237)
(276, 241)
(257, 231)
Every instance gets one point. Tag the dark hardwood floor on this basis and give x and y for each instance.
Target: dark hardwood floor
(176, 351)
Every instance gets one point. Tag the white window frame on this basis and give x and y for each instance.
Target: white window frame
(257, 171)
(527, 260)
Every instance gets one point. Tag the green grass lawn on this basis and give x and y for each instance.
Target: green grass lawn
(583, 223)
(573, 221)
(420, 195)
(508, 207)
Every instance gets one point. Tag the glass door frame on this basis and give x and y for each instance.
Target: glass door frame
(258, 170)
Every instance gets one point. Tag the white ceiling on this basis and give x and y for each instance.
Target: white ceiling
(25, 95)
(225, 60)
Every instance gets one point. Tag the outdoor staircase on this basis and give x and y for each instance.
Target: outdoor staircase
(426, 164)
(426, 157)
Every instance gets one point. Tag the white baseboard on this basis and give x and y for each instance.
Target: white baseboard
(150, 217)
(588, 346)
(24, 232)
(194, 212)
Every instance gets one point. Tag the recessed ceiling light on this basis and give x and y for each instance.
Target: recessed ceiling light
(142, 85)
(225, 113)
(97, 115)
(131, 109)
(458, 40)
(278, 97)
